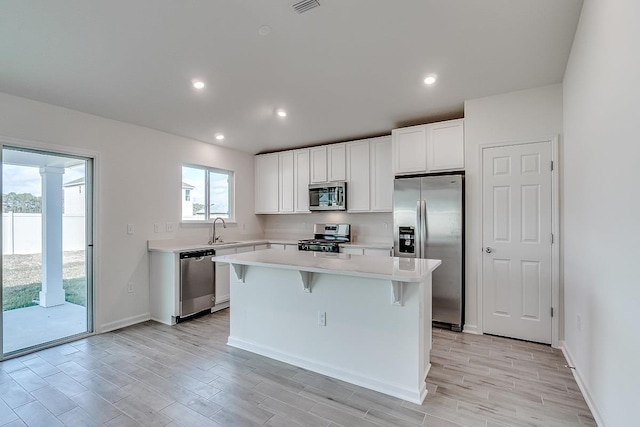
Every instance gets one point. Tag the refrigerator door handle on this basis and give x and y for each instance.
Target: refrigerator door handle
(423, 228)
(418, 241)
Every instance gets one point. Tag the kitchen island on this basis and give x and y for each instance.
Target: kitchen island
(361, 319)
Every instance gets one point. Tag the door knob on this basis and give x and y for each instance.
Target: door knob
(488, 250)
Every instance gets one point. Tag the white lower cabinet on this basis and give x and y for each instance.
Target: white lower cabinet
(164, 288)
(284, 247)
(352, 251)
(378, 252)
(164, 292)
(366, 251)
(223, 286)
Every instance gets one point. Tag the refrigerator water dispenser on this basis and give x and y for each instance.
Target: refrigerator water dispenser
(407, 240)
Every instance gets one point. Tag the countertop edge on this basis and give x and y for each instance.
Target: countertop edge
(158, 246)
(194, 247)
(232, 259)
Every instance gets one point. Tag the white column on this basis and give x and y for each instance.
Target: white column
(52, 292)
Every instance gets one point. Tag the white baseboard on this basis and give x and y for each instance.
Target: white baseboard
(112, 326)
(220, 306)
(583, 387)
(414, 396)
(471, 329)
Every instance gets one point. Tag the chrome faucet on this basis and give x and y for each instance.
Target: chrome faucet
(213, 230)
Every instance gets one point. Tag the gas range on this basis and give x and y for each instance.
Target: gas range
(327, 238)
(318, 245)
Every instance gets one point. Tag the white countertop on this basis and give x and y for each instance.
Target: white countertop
(176, 246)
(170, 245)
(409, 270)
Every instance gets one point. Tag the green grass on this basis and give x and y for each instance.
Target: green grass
(75, 291)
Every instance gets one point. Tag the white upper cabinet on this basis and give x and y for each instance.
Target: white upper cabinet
(282, 179)
(381, 175)
(318, 162)
(429, 148)
(301, 184)
(282, 182)
(369, 175)
(328, 163)
(359, 176)
(409, 150)
(267, 183)
(286, 181)
(445, 145)
(337, 162)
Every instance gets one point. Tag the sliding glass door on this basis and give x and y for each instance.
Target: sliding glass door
(47, 248)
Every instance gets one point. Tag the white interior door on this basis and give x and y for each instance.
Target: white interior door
(517, 212)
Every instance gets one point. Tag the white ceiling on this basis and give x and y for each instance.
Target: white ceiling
(345, 70)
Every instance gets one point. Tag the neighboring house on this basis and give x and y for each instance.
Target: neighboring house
(187, 200)
(74, 197)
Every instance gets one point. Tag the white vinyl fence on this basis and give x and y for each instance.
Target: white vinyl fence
(22, 233)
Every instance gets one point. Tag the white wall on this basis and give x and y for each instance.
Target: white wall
(602, 207)
(365, 227)
(129, 157)
(516, 116)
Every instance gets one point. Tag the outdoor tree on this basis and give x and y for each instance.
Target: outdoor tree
(21, 203)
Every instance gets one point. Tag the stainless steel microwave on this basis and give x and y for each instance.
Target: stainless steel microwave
(330, 196)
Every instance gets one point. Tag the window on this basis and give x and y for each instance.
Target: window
(207, 193)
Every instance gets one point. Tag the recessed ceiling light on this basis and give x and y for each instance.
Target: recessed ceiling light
(281, 113)
(198, 84)
(429, 80)
(219, 136)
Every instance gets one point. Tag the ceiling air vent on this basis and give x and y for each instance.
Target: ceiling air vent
(305, 5)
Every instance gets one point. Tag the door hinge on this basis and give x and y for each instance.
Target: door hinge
(552, 238)
(552, 165)
(551, 311)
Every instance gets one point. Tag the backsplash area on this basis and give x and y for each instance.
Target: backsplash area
(365, 227)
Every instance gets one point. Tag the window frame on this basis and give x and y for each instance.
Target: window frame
(207, 194)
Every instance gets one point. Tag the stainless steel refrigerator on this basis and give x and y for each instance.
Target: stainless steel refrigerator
(428, 217)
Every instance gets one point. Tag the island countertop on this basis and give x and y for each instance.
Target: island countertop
(408, 270)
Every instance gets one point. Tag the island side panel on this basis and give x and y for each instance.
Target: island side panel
(366, 340)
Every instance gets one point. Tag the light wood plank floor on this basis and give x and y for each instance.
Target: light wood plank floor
(155, 375)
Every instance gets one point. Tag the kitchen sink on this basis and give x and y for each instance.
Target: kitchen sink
(221, 243)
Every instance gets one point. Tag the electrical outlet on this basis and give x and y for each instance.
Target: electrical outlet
(169, 227)
(129, 229)
(579, 323)
(386, 225)
(322, 318)
(156, 227)
(130, 287)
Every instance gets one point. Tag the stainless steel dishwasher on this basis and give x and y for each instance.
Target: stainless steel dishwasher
(197, 282)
